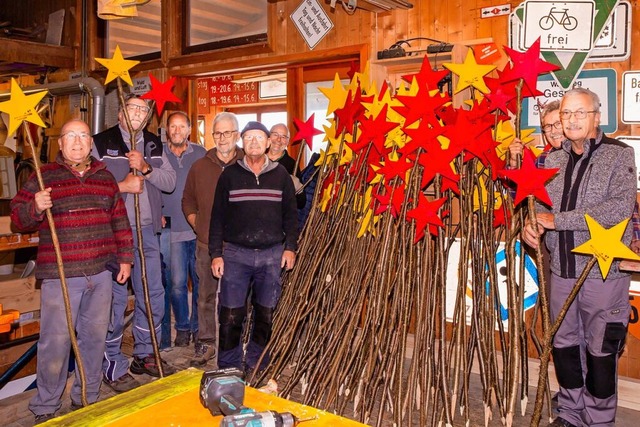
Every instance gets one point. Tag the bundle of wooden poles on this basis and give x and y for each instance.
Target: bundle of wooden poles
(361, 328)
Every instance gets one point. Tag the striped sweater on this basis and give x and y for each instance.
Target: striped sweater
(89, 215)
(254, 211)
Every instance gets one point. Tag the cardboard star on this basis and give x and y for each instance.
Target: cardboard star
(375, 131)
(606, 244)
(395, 168)
(118, 67)
(21, 107)
(421, 107)
(306, 131)
(427, 77)
(529, 179)
(470, 73)
(528, 65)
(426, 214)
(337, 95)
(161, 93)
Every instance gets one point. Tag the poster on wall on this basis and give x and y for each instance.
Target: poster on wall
(530, 282)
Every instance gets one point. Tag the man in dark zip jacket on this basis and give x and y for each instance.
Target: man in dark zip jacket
(253, 235)
(597, 176)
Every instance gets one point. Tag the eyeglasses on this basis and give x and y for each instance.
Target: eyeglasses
(549, 127)
(226, 134)
(580, 114)
(142, 108)
(73, 135)
(259, 138)
(276, 135)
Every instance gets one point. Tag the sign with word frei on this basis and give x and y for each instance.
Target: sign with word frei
(564, 26)
(571, 62)
(630, 104)
(602, 82)
(312, 22)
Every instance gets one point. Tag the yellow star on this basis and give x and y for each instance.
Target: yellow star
(337, 95)
(470, 73)
(605, 244)
(118, 67)
(21, 107)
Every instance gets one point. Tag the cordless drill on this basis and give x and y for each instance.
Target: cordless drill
(222, 392)
(263, 419)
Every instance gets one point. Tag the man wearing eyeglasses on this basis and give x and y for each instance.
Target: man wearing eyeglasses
(597, 176)
(197, 203)
(154, 175)
(279, 140)
(253, 236)
(93, 232)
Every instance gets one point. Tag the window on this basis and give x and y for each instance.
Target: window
(137, 36)
(215, 24)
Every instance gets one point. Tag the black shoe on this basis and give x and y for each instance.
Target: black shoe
(561, 422)
(147, 365)
(122, 384)
(182, 338)
(43, 418)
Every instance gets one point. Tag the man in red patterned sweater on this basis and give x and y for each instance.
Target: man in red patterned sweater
(94, 233)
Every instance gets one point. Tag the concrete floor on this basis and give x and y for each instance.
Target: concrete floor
(14, 410)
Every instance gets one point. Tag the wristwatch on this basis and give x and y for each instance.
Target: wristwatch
(149, 170)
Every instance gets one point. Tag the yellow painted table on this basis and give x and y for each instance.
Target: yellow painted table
(174, 401)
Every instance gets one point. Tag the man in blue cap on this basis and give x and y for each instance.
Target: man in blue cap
(252, 237)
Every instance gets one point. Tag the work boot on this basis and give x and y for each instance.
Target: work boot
(182, 338)
(147, 365)
(122, 384)
(204, 353)
(561, 422)
(42, 418)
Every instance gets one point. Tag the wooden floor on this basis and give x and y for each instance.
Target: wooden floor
(14, 410)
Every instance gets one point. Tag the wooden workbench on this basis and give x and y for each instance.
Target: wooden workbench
(174, 401)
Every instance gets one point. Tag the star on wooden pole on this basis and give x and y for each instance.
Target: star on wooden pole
(21, 107)
(161, 93)
(118, 67)
(470, 73)
(605, 244)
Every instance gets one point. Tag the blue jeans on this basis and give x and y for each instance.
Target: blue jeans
(183, 266)
(246, 269)
(165, 250)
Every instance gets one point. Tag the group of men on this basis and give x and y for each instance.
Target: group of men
(92, 191)
(231, 220)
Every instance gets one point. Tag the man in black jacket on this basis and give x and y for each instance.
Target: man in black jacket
(253, 235)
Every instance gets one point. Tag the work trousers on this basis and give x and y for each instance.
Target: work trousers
(256, 270)
(207, 298)
(115, 363)
(586, 347)
(90, 299)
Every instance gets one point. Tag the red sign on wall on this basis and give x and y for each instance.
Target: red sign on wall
(202, 96)
(222, 91)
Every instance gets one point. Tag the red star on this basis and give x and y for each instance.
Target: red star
(161, 93)
(529, 179)
(427, 77)
(437, 162)
(392, 169)
(421, 107)
(449, 184)
(528, 65)
(501, 216)
(423, 137)
(392, 199)
(352, 111)
(374, 130)
(306, 131)
(500, 93)
(426, 214)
